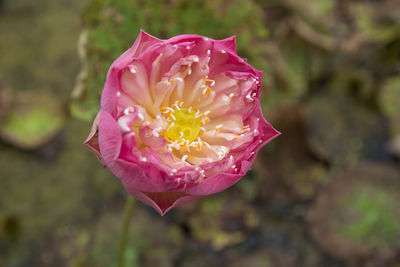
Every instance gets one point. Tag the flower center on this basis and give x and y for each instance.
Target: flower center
(184, 125)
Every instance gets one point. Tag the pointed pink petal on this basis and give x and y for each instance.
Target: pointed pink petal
(164, 201)
(182, 38)
(92, 141)
(143, 41)
(269, 132)
(228, 44)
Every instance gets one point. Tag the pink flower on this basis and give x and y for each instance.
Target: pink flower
(179, 119)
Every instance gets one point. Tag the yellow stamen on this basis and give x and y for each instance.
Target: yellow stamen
(206, 91)
(204, 121)
(218, 128)
(209, 80)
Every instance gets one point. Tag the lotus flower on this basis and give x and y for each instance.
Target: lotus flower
(179, 119)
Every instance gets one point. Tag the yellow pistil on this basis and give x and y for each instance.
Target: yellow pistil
(183, 125)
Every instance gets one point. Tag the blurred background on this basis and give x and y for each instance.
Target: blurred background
(324, 193)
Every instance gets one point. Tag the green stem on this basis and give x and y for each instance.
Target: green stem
(130, 204)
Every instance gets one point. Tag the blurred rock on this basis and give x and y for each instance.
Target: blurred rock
(32, 121)
(342, 132)
(287, 168)
(352, 82)
(394, 146)
(5, 99)
(256, 258)
(356, 218)
(195, 254)
(10, 227)
(389, 101)
(221, 220)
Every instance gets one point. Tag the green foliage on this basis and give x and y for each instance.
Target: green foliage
(114, 24)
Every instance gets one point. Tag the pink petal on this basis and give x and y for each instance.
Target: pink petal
(133, 176)
(143, 41)
(150, 140)
(228, 44)
(214, 184)
(268, 131)
(164, 201)
(92, 141)
(136, 85)
(109, 137)
(111, 86)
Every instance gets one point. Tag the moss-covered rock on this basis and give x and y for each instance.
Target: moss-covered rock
(357, 217)
(219, 221)
(33, 120)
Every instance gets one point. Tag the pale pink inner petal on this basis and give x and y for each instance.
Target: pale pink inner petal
(134, 82)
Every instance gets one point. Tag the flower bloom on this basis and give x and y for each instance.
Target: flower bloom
(179, 119)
